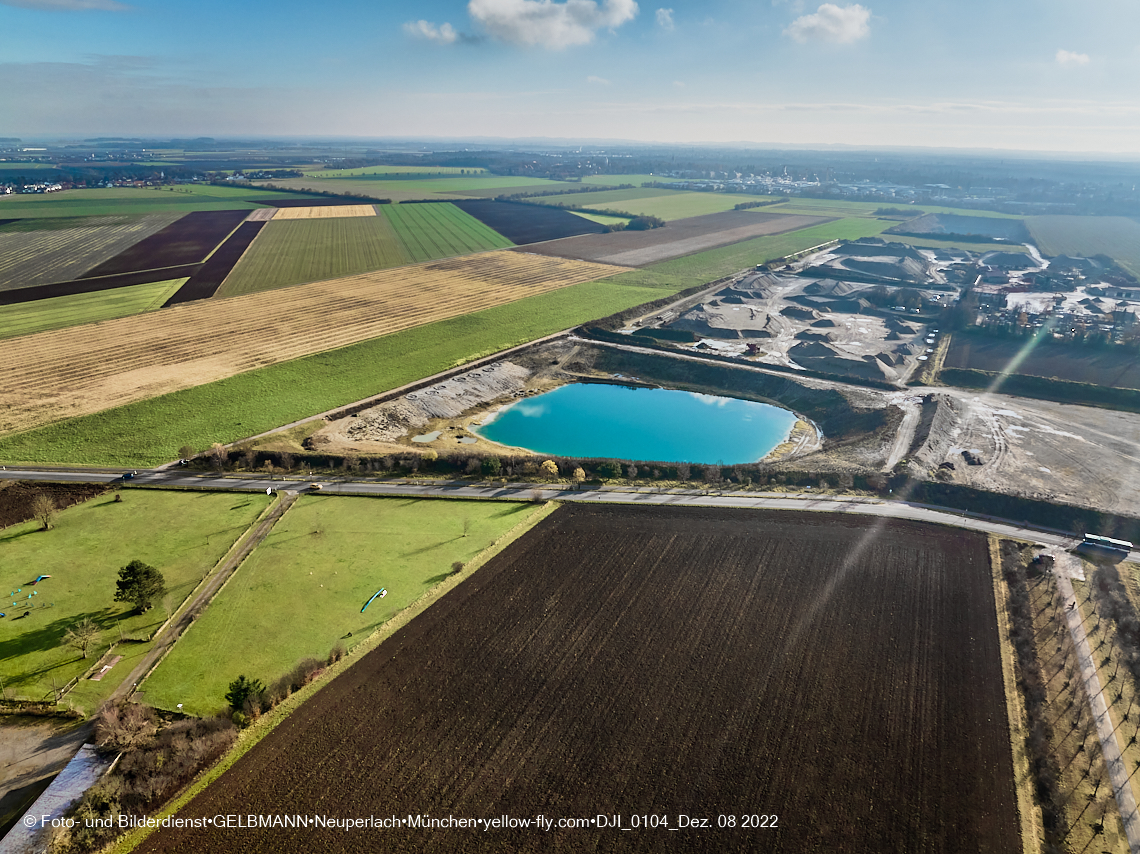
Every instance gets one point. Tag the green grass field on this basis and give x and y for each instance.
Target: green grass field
(289, 252)
(615, 180)
(666, 204)
(134, 200)
(301, 590)
(151, 431)
(408, 189)
(693, 270)
(418, 171)
(60, 312)
(969, 246)
(1115, 236)
(602, 218)
(83, 554)
(440, 231)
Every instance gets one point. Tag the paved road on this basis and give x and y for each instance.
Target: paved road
(1117, 772)
(522, 491)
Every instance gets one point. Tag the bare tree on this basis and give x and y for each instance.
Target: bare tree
(219, 456)
(44, 510)
(82, 636)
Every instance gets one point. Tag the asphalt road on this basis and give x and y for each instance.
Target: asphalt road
(803, 501)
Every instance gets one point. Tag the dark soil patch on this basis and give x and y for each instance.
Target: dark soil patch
(522, 223)
(16, 497)
(677, 238)
(1112, 368)
(90, 286)
(840, 673)
(204, 283)
(187, 241)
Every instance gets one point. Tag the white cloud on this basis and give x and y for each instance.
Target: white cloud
(601, 81)
(544, 23)
(665, 19)
(679, 84)
(831, 23)
(1068, 57)
(443, 34)
(68, 5)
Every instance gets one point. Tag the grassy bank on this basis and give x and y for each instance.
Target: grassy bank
(151, 431)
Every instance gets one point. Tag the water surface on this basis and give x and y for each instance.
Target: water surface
(620, 422)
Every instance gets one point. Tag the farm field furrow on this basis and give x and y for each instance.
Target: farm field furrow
(324, 212)
(16, 296)
(440, 230)
(839, 673)
(1115, 236)
(151, 431)
(681, 237)
(295, 252)
(188, 241)
(38, 252)
(79, 371)
(118, 201)
(62, 312)
(667, 204)
(205, 282)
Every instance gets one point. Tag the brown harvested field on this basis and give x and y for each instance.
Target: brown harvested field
(1112, 368)
(325, 212)
(187, 241)
(681, 237)
(39, 252)
(840, 673)
(85, 369)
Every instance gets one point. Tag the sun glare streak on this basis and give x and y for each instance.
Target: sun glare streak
(1024, 353)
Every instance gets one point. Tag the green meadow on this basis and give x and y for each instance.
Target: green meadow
(302, 590)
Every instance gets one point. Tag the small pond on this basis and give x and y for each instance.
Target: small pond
(625, 423)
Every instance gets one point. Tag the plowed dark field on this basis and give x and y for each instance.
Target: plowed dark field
(90, 286)
(840, 673)
(187, 241)
(209, 277)
(1112, 368)
(522, 224)
(680, 237)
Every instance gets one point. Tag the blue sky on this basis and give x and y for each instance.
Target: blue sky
(1018, 74)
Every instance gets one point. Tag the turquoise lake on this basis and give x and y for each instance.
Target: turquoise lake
(596, 420)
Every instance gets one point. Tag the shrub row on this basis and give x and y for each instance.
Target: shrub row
(1046, 769)
(157, 760)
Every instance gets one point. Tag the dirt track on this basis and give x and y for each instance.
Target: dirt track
(1038, 449)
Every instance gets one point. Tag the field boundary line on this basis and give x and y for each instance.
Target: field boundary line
(213, 570)
(1029, 813)
(228, 568)
(245, 251)
(264, 725)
